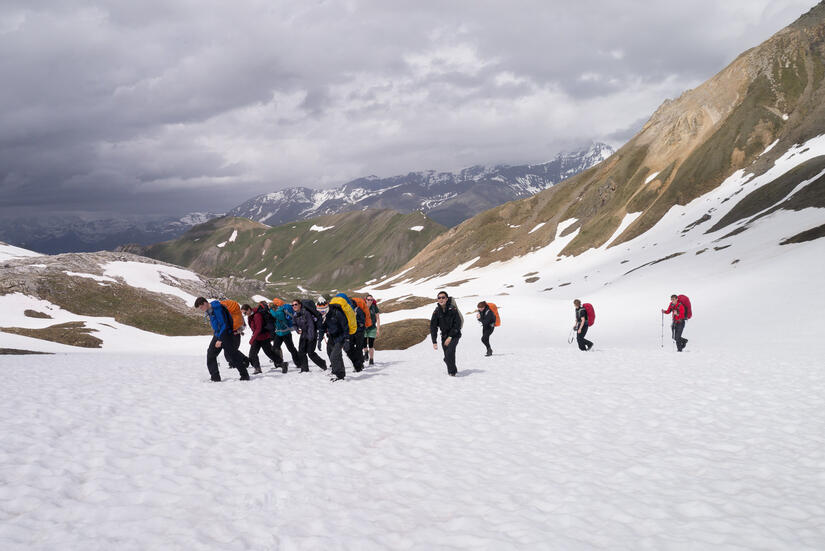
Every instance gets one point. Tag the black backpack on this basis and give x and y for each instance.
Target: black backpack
(269, 321)
(309, 306)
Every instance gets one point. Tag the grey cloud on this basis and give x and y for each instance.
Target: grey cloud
(144, 106)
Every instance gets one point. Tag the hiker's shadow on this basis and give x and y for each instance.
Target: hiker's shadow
(468, 372)
(362, 376)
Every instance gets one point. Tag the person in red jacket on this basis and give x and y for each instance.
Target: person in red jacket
(677, 309)
(261, 338)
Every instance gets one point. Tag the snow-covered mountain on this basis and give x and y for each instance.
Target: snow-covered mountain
(74, 233)
(446, 197)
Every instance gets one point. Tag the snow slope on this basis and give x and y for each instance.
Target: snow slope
(7, 252)
(537, 447)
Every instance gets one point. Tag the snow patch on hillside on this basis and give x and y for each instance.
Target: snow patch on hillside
(320, 228)
(8, 252)
(153, 277)
(417, 228)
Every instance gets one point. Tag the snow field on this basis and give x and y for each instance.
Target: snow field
(539, 448)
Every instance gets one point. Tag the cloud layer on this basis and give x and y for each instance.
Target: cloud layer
(173, 106)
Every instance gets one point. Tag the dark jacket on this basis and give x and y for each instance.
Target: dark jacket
(219, 318)
(305, 323)
(488, 320)
(448, 319)
(336, 325)
(256, 324)
(581, 312)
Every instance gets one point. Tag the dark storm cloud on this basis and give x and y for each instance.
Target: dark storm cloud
(181, 105)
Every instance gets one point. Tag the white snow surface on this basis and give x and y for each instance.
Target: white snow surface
(154, 277)
(417, 228)
(234, 236)
(8, 252)
(651, 177)
(320, 228)
(532, 448)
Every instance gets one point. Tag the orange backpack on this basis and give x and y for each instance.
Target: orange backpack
(234, 310)
(362, 304)
(277, 302)
(493, 308)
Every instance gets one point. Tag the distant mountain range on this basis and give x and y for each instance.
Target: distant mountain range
(60, 234)
(445, 197)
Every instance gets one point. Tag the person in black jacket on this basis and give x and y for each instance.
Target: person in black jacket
(487, 319)
(447, 318)
(582, 323)
(336, 328)
(305, 325)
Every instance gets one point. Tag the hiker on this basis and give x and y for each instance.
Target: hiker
(447, 318)
(487, 319)
(581, 326)
(355, 356)
(336, 328)
(373, 330)
(678, 325)
(261, 335)
(223, 338)
(358, 339)
(283, 335)
(238, 326)
(306, 326)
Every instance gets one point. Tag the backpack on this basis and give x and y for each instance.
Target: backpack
(269, 321)
(277, 302)
(362, 304)
(317, 318)
(494, 309)
(289, 312)
(460, 315)
(353, 325)
(280, 318)
(234, 310)
(591, 313)
(684, 301)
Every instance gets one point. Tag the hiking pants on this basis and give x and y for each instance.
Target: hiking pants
(677, 329)
(584, 344)
(356, 350)
(336, 360)
(277, 340)
(233, 356)
(306, 348)
(264, 345)
(449, 355)
(485, 337)
(236, 338)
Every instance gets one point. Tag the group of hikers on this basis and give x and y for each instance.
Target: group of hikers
(350, 325)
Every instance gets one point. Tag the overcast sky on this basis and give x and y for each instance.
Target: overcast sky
(171, 106)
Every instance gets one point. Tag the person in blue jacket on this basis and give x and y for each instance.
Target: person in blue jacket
(223, 339)
(283, 334)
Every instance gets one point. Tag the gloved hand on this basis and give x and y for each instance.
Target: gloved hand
(320, 343)
(346, 345)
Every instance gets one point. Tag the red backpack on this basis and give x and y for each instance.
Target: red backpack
(591, 313)
(494, 309)
(684, 301)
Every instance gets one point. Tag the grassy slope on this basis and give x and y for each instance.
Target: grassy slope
(359, 246)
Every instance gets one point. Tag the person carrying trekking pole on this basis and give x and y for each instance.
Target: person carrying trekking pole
(447, 318)
(677, 309)
(223, 339)
(582, 323)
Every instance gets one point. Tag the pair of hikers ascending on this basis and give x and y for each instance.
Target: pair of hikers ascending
(353, 326)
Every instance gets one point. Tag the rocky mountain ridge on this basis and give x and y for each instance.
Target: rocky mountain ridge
(445, 197)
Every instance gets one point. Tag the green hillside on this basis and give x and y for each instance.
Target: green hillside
(336, 251)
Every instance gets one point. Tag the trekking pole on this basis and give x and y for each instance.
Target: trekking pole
(571, 336)
(663, 331)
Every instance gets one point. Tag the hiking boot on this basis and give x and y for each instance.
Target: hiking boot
(489, 352)
(372, 362)
(257, 371)
(324, 366)
(283, 368)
